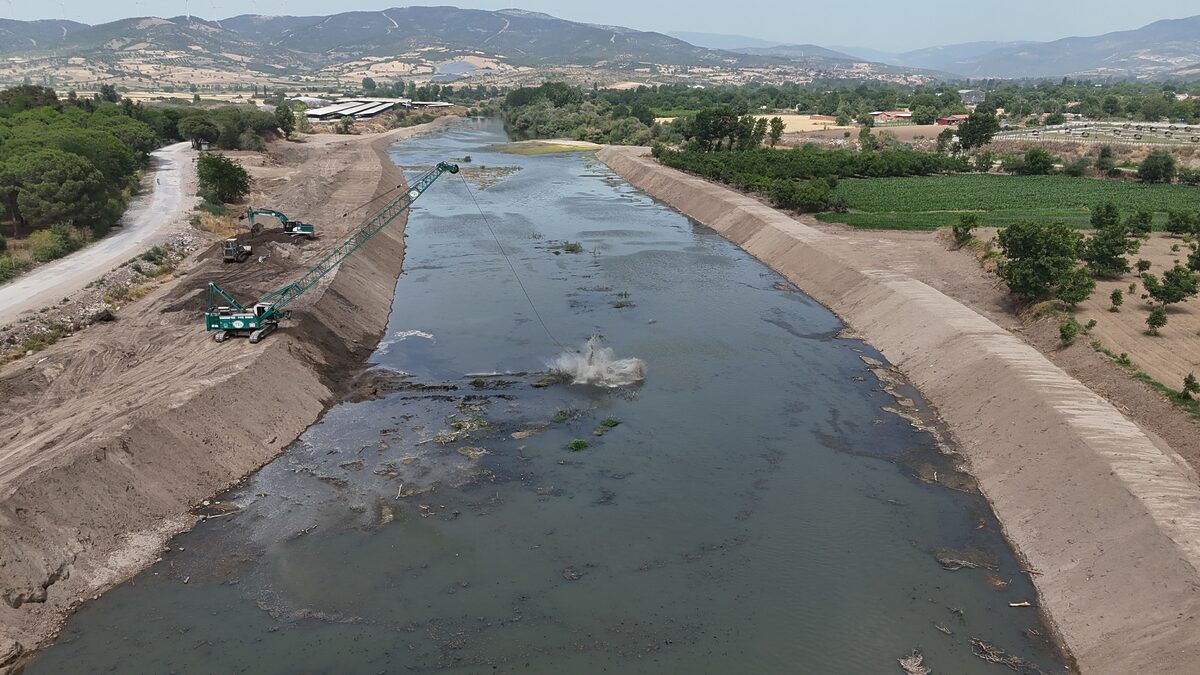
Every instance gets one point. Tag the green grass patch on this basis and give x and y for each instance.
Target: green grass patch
(578, 444)
(931, 202)
(1185, 402)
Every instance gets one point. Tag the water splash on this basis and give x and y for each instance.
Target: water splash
(597, 365)
(385, 346)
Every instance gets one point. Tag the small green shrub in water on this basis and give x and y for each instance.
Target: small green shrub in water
(610, 422)
(562, 415)
(578, 444)
(573, 247)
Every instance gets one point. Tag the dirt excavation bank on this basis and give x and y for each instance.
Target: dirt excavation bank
(1106, 515)
(109, 438)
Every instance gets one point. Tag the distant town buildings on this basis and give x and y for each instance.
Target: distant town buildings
(971, 97)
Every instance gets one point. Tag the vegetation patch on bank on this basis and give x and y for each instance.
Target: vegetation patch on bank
(928, 203)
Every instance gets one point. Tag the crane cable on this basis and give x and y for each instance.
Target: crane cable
(510, 264)
(375, 199)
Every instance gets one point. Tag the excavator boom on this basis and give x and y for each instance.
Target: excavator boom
(264, 315)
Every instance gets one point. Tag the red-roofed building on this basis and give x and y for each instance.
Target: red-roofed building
(952, 120)
(885, 116)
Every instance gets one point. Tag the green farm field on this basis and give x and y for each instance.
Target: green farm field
(927, 203)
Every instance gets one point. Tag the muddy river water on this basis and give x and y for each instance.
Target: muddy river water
(755, 505)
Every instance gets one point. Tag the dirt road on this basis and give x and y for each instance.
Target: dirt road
(169, 189)
(111, 437)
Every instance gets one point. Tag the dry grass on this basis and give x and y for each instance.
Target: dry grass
(224, 226)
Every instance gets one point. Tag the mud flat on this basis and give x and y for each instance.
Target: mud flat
(109, 439)
(1106, 515)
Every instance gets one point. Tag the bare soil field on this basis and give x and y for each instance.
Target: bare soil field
(1168, 357)
(1084, 465)
(110, 437)
(795, 124)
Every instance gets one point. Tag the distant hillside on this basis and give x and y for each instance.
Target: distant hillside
(1149, 52)
(16, 35)
(721, 40)
(866, 53)
(527, 38)
(953, 58)
(517, 37)
(798, 52)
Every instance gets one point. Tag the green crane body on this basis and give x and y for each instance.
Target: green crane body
(229, 318)
(292, 227)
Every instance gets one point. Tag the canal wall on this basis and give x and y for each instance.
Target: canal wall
(1106, 516)
(138, 432)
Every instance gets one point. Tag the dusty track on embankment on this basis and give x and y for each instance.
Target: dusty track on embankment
(110, 438)
(1106, 515)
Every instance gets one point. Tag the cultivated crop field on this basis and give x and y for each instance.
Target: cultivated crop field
(926, 203)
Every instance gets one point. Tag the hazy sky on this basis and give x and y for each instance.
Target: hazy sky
(878, 24)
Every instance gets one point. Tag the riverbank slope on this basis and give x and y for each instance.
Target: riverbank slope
(110, 438)
(1107, 516)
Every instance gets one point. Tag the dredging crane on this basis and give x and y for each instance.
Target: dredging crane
(292, 227)
(226, 317)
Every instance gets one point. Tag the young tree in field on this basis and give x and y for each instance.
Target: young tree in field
(962, 230)
(286, 118)
(1105, 215)
(1037, 257)
(344, 124)
(1159, 167)
(1190, 386)
(368, 84)
(1182, 221)
(1038, 162)
(1104, 252)
(977, 130)
(1105, 161)
(225, 178)
(776, 133)
(1177, 284)
(1193, 259)
(1117, 298)
(1139, 223)
(1156, 320)
(1075, 286)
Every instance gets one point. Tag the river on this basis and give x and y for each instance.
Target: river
(755, 505)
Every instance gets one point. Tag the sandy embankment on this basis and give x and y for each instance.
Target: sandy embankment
(108, 439)
(1107, 516)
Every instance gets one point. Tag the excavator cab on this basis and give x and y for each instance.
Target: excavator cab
(299, 229)
(234, 251)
